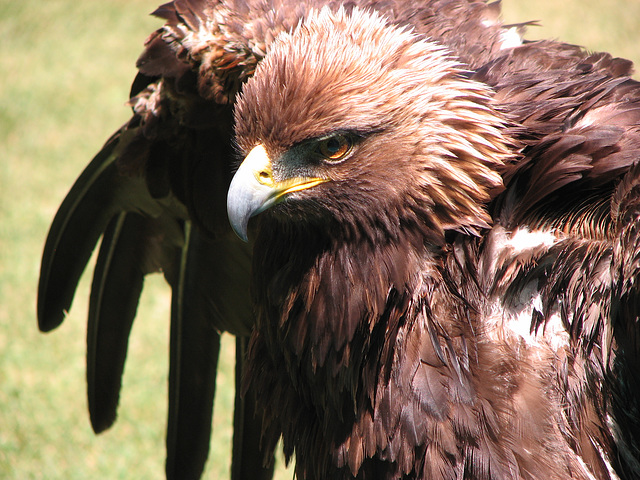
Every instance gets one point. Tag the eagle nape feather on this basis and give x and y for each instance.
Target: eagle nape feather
(434, 268)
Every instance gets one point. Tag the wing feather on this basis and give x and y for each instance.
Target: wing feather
(194, 350)
(113, 303)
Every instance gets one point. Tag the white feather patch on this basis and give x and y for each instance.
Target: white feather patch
(510, 38)
(507, 323)
(524, 239)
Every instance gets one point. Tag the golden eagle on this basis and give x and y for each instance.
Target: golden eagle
(443, 241)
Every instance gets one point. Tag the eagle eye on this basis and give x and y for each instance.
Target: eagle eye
(336, 147)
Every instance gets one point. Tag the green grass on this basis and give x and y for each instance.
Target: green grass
(65, 71)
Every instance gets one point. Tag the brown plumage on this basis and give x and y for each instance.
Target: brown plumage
(444, 253)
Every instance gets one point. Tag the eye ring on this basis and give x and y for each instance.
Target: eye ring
(335, 147)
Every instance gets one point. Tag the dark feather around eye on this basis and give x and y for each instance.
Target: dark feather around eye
(336, 147)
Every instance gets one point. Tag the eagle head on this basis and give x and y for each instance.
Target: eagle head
(367, 129)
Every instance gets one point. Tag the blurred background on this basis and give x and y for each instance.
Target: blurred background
(65, 71)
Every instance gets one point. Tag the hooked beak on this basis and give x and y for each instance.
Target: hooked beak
(253, 189)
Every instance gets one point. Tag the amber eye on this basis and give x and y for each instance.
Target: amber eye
(335, 148)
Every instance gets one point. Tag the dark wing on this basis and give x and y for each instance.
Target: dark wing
(578, 183)
(625, 316)
(156, 194)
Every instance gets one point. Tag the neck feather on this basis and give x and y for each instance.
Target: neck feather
(316, 294)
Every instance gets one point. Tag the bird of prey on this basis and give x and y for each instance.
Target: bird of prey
(426, 227)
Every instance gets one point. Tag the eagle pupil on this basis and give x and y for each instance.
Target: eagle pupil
(333, 146)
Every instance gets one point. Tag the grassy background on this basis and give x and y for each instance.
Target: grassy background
(65, 70)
